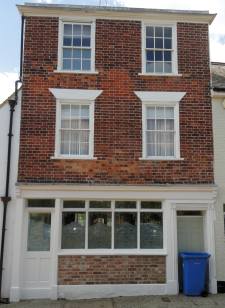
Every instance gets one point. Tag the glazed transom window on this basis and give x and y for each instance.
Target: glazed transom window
(75, 129)
(159, 49)
(112, 225)
(160, 131)
(76, 47)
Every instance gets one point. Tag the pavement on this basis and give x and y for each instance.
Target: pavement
(180, 301)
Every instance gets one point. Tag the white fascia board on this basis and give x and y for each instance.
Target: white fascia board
(163, 97)
(75, 94)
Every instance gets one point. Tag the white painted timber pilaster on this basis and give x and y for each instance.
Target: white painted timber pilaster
(17, 252)
(56, 222)
(210, 246)
(171, 259)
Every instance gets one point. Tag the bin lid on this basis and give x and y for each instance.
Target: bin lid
(193, 255)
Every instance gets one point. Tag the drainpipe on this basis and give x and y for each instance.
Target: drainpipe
(6, 198)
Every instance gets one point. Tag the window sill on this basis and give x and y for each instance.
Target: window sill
(161, 158)
(73, 158)
(160, 75)
(76, 72)
(115, 252)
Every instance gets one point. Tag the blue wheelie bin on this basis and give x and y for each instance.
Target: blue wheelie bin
(194, 272)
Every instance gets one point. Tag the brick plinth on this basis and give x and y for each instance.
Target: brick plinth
(75, 270)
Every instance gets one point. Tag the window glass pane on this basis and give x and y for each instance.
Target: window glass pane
(169, 137)
(169, 149)
(65, 148)
(67, 29)
(160, 149)
(160, 137)
(77, 41)
(168, 32)
(67, 64)
(150, 67)
(158, 56)
(86, 53)
(168, 67)
(41, 203)
(151, 112)
(167, 43)
(151, 148)
(151, 231)
(150, 31)
(125, 204)
(77, 53)
(39, 229)
(84, 148)
(159, 31)
(160, 113)
(169, 124)
(86, 42)
(67, 53)
(167, 55)
(76, 64)
(75, 111)
(158, 43)
(85, 111)
(73, 230)
(87, 30)
(159, 67)
(84, 136)
(150, 124)
(150, 137)
(77, 30)
(125, 230)
(67, 204)
(100, 204)
(86, 65)
(67, 41)
(74, 148)
(99, 230)
(160, 124)
(169, 112)
(150, 55)
(84, 124)
(151, 205)
(149, 43)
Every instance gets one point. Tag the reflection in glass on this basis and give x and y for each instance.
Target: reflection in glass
(39, 229)
(73, 230)
(125, 230)
(151, 231)
(99, 230)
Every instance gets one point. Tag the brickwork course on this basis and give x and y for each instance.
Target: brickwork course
(118, 128)
(111, 270)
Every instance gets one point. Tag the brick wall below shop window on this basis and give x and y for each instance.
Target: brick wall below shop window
(74, 270)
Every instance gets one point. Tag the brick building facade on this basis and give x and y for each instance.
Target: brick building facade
(115, 172)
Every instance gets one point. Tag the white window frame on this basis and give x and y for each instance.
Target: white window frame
(92, 23)
(76, 97)
(113, 210)
(174, 47)
(167, 99)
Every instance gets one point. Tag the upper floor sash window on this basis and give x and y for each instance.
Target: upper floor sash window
(76, 51)
(159, 49)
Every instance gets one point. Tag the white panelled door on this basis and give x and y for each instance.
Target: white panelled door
(37, 260)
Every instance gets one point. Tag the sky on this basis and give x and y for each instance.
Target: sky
(10, 30)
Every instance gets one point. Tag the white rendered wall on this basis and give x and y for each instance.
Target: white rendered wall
(4, 127)
(219, 165)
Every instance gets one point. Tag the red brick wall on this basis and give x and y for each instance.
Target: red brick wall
(117, 138)
(74, 270)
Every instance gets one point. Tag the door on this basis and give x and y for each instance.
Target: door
(37, 267)
(190, 231)
(190, 235)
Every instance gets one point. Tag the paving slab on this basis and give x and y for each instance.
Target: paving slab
(180, 301)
